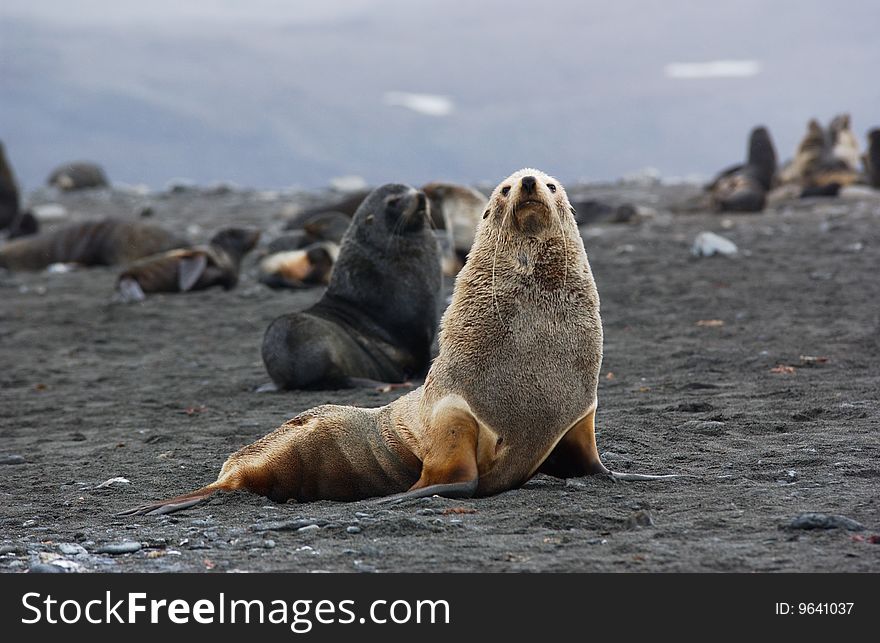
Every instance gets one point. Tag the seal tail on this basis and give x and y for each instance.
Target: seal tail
(170, 505)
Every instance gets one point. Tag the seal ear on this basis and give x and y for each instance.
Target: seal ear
(486, 213)
(573, 211)
(189, 270)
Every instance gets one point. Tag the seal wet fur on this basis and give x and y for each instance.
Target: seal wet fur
(378, 318)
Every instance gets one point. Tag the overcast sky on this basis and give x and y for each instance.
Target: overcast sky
(271, 93)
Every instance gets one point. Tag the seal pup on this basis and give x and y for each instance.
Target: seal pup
(300, 268)
(744, 187)
(78, 175)
(512, 392)
(186, 269)
(456, 209)
(378, 317)
(105, 242)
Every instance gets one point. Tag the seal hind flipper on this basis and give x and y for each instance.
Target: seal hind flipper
(576, 455)
(189, 270)
(130, 290)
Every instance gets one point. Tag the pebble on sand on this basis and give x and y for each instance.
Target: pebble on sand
(708, 243)
(12, 459)
(823, 521)
(125, 547)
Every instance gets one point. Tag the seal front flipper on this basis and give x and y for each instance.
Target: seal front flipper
(450, 466)
(189, 270)
(576, 455)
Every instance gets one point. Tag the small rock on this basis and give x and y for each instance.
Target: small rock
(308, 528)
(115, 549)
(823, 521)
(113, 481)
(72, 549)
(10, 549)
(45, 568)
(708, 243)
(269, 543)
(353, 529)
(12, 459)
(288, 525)
(641, 518)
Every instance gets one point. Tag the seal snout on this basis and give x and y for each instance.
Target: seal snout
(529, 184)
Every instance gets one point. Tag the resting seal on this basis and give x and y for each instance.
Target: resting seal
(185, 269)
(8, 192)
(744, 187)
(378, 317)
(105, 242)
(512, 392)
(871, 159)
(77, 176)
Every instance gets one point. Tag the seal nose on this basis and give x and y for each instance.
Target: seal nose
(528, 184)
(421, 201)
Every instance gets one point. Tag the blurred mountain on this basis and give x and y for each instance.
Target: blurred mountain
(271, 93)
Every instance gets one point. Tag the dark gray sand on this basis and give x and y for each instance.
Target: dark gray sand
(159, 393)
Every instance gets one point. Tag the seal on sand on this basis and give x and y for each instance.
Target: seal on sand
(301, 268)
(743, 188)
(78, 175)
(185, 269)
(9, 202)
(378, 317)
(872, 158)
(104, 242)
(512, 392)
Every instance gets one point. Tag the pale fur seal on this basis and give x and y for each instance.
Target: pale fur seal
(105, 242)
(78, 175)
(513, 390)
(744, 187)
(186, 269)
(311, 265)
(457, 210)
(821, 165)
(378, 317)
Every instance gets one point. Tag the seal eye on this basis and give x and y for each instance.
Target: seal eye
(505, 190)
(369, 219)
(552, 187)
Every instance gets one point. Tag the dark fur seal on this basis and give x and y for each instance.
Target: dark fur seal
(185, 269)
(9, 200)
(744, 187)
(872, 159)
(106, 242)
(78, 175)
(378, 318)
(512, 392)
